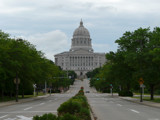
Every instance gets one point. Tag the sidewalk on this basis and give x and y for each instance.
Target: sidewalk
(147, 103)
(12, 102)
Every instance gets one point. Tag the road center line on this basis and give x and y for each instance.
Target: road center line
(28, 108)
(3, 116)
(134, 111)
(119, 104)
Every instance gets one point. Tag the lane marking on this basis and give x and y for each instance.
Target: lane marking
(11, 119)
(41, 103)
(28, 108)
(50, 100)
(24, 118)
(3, 116)
(119, 104)
(29, 112)
(134, 110)
(154, 119)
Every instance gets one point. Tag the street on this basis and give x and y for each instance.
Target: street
(104, 106)
(26, 111)
(107, 107)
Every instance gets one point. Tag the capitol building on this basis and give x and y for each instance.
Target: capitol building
(80, 58)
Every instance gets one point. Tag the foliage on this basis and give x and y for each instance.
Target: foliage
(20, 59)
(68, 116)
(48, 116)
(76, 108)
(138, 55)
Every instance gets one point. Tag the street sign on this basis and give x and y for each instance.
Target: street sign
(34, 86)
(141, 81)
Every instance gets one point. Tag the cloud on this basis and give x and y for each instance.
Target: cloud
(49, 43)
(103, 47)
(42, 22)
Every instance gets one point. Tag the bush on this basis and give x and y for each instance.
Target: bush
(49, 116)
(125, 93)
(70, 106)
(85, 114)
(76, 108)
(68, 116)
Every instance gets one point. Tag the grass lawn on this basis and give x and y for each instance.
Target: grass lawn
(157, 100)
(6, 98)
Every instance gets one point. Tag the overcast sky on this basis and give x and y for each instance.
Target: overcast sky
(49, 24)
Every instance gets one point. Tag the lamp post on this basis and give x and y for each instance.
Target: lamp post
(141, 79)
(17, 81)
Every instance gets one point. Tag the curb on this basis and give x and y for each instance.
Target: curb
(150, 104)
(93, 116)
(8, 103)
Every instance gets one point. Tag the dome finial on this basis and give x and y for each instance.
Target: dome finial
(81, 23)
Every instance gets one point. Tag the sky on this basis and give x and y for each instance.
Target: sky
(49, 24)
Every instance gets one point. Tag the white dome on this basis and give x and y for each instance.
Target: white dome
(81, 31)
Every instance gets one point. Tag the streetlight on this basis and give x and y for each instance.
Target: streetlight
(17, 81)
(141, 81)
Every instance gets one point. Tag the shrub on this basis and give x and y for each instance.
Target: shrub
(85, 114)
(49, 116)
(70, 106)
(68, 116)
(125, 93)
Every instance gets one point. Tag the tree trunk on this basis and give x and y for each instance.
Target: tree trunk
(22, 93)
(2, 94)
(10, 94)
(152, 91)
(37, 91)
(128, 87)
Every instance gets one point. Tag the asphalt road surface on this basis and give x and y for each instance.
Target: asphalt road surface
(107, 107)
(104, 106)
(26, 111)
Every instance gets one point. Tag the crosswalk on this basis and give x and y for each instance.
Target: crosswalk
(18, 117)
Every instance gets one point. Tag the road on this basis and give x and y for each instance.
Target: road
(26, 111)
(104, 106)
(107, 107)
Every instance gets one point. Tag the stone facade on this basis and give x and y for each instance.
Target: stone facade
(81, 57)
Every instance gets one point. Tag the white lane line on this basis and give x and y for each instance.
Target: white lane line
(134, 110)
(3, 116)
(29, 112)
(24, 118)
(50, 100)
(119, 104)
(41, 103)
(28, 108)
(154, 119)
